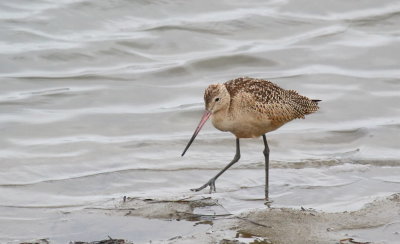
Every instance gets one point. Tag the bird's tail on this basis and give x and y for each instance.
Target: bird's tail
(311, 106)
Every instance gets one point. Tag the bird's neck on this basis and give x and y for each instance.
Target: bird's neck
(220, 119)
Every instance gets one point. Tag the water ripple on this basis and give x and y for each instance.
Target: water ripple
(98, 99)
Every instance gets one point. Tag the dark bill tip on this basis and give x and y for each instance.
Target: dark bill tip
(203, 120)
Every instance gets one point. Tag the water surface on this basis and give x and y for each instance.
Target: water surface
(99, 98)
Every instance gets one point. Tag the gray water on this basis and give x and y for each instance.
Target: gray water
(99, 98)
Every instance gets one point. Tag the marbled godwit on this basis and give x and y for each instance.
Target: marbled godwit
(249, 108)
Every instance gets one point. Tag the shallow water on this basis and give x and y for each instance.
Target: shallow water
(99, 98)
(65, 226)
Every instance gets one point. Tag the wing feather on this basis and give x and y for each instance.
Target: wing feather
(269, 99)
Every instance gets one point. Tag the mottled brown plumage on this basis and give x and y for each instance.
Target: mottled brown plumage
(250, 107)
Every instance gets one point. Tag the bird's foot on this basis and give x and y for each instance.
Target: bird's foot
(268, 202)
(210, 183)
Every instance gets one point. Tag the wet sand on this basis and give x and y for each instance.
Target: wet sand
(376, 222)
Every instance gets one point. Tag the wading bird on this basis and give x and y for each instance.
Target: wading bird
(249, 108)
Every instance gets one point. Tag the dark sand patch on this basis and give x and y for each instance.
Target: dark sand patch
(164, 208)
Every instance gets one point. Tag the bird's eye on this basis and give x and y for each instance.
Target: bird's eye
(217, 99)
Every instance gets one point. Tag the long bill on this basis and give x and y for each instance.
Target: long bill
(203, 120)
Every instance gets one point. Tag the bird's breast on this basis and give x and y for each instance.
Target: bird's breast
(222, 122)
(244, 125)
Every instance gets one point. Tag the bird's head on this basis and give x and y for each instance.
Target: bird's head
(216, 97)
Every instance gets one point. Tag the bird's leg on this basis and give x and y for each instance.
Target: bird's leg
(211, 182)
(266, 155)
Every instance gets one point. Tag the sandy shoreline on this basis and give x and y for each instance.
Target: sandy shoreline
(376, 222)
